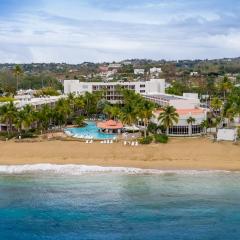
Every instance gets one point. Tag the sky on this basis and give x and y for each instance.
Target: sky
(75, 31)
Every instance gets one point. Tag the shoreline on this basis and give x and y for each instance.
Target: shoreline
(76, 169)
(179, 154)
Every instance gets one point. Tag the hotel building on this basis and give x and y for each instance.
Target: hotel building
(111, 89)
(187, 106)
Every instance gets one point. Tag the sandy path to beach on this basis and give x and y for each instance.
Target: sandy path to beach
(199, 153)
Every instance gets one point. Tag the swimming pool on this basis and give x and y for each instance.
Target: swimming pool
(90, 131)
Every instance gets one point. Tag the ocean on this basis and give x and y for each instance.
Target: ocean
(77, 202)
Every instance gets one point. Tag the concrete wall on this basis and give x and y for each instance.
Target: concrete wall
(227, 134)
(185, 103)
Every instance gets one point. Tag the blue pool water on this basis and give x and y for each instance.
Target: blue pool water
(90, 130)
(108, 205)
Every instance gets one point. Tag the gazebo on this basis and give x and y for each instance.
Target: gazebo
(110, 126)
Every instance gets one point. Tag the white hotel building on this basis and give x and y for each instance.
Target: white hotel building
(187, 105)
(154, 86)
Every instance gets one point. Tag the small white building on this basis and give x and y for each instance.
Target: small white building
(193, 74)
(190, 95)
(155, 70)
(114, 66)
(139, 71)
(227, 134)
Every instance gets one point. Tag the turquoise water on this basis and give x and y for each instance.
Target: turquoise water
(51, 206)
(90, 130)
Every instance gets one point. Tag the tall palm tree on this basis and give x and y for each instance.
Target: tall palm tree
(28, 111)
(18, 72)
(8, 113)
(190, 121)
(168, 117)
(225, 86)
(78, 103)
(128, 115)
(204, 125)
(44, 116)
(107, 111)
(216, 104)
(145, 112)
(62, 112)
(230, 114)
(25, 117)
(111, 111)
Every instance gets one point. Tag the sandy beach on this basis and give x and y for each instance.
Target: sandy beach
(199, 154)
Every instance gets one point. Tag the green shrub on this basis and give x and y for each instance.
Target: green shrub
(6, 99)
(161, 138)
(4, 135)
(79, 121)
(152, 128)
(146, 140)
(28, 135)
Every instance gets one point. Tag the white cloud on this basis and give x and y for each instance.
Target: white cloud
(79, 32)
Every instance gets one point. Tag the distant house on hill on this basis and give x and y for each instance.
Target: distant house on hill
(155, 70)
(139, 71)
(193, 74)
(103, 69)
(114, 66)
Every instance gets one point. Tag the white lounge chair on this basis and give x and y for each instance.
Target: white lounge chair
(91, 141)
(111, 141)
(136, 144)
(132, 144)
(104, 141)
(125, 143)
(87, 141)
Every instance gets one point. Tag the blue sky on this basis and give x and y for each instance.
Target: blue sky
(74, 31)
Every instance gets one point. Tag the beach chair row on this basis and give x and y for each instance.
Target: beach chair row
(107, 142)
(127, 143)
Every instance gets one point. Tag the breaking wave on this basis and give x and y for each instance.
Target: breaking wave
(74, 169)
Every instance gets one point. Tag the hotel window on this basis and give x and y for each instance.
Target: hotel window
(178, 130)
(142, 85)
(196, 129)
(142, 91)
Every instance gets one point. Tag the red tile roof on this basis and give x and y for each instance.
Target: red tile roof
(110, 124)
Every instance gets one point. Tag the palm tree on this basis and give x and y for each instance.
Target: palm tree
(230, 114)
(145, 112)
(204, 125)
(62, 112)
(25, 117)
(190, 121)
(225, 86)
(78, 103)
(44, 116)
(216, 122)
(216, 104)
(8, 114)
(111, 111)
(168, 117)
(17, 72)
(128, 115)
(107, 111)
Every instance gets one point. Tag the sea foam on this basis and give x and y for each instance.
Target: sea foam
(74, 169)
